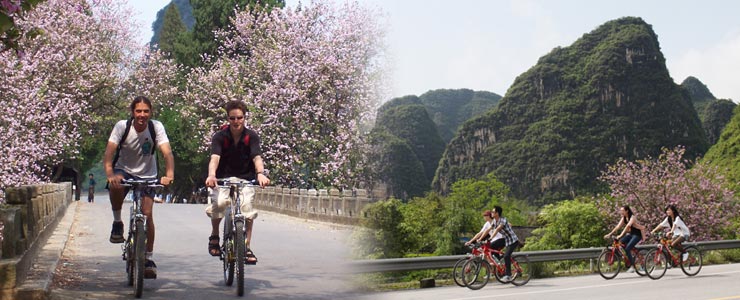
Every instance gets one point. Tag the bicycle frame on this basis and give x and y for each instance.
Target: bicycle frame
(134, 246)
(613, 254)
(661, 258)
(499, 265)
(664, 246)
(233, 248)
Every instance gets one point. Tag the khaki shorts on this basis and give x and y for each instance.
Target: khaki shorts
(217, 209)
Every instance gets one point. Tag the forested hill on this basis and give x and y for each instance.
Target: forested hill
(449, 109)
(581, 107)
(410, 131)
(714, 113)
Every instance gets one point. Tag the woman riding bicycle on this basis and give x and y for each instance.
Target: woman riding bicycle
(679, 231)
(497, 242)
(632, 234)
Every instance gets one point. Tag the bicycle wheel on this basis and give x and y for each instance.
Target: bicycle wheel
(457, 273)
(129, 250)
(608, 264)
(639, 257)
(476, 273)
(227, 253)
(692, 265)
(656, 263)
(498, 271)
(139, 256)
(240, 249)
(521, 271)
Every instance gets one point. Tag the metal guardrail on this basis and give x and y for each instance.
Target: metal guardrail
(441, 262)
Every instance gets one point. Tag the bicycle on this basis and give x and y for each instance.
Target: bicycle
(657, 259)
(476, 272)
(134, 246)
(612, 258)
(233, 248)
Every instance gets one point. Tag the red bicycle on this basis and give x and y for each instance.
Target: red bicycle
(659, 258)
(476, 269)
(613, 257)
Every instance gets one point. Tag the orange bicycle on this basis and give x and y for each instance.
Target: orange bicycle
(658, 259)
(476, 272)
(613, 257)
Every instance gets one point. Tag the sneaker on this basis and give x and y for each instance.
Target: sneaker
(631, 270)
(150, 269)
(506, 278)
(685, 256)
(116, 234)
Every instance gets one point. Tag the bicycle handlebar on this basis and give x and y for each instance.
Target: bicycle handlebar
(141, 182)
(225, 182)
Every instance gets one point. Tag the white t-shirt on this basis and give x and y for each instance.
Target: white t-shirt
(488, 226)
(136, 156)
(681, 228)
(493, 227)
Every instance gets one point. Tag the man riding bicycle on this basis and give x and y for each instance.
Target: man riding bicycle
(130, 155)
(501, 225)
(235, 152)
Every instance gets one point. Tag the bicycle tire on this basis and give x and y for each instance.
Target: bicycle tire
(521, 270)
(477, 273)
(639, 256)
(139, 257)
(227, 252)
(693, 264)
(498, 271)
(608, 264)
(129, 250)
(457, 271)
(240, 249)
(656, 263)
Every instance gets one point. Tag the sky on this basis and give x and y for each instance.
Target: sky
(486, 44)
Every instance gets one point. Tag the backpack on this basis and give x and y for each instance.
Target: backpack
(152, 132)
(226, 144)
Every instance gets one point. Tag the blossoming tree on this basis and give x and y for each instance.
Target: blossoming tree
(310, 77)
(700, 193)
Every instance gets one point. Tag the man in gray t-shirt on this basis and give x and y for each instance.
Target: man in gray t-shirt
(137, 160)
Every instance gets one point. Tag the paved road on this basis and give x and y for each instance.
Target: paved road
(298, 259)
(712, 283)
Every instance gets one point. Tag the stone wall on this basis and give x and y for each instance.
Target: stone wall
(343, 207)
(30, 215)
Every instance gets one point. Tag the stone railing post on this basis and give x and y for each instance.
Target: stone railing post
(324, 202)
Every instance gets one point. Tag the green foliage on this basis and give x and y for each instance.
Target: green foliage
(186, 14)
(171, 29)
(420, 216)
(434, 224)
(608, 95)
(463, 207)
(191, 163)
(383, 235)
(725, 154)
(209, 17)
(568, 224)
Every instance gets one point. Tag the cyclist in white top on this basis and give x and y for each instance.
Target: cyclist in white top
(679, 231)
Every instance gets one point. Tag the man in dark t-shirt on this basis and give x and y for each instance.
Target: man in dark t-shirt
(235, 154)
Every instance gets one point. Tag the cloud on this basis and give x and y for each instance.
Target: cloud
(717, 66)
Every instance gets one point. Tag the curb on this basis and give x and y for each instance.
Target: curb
(37, 285)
